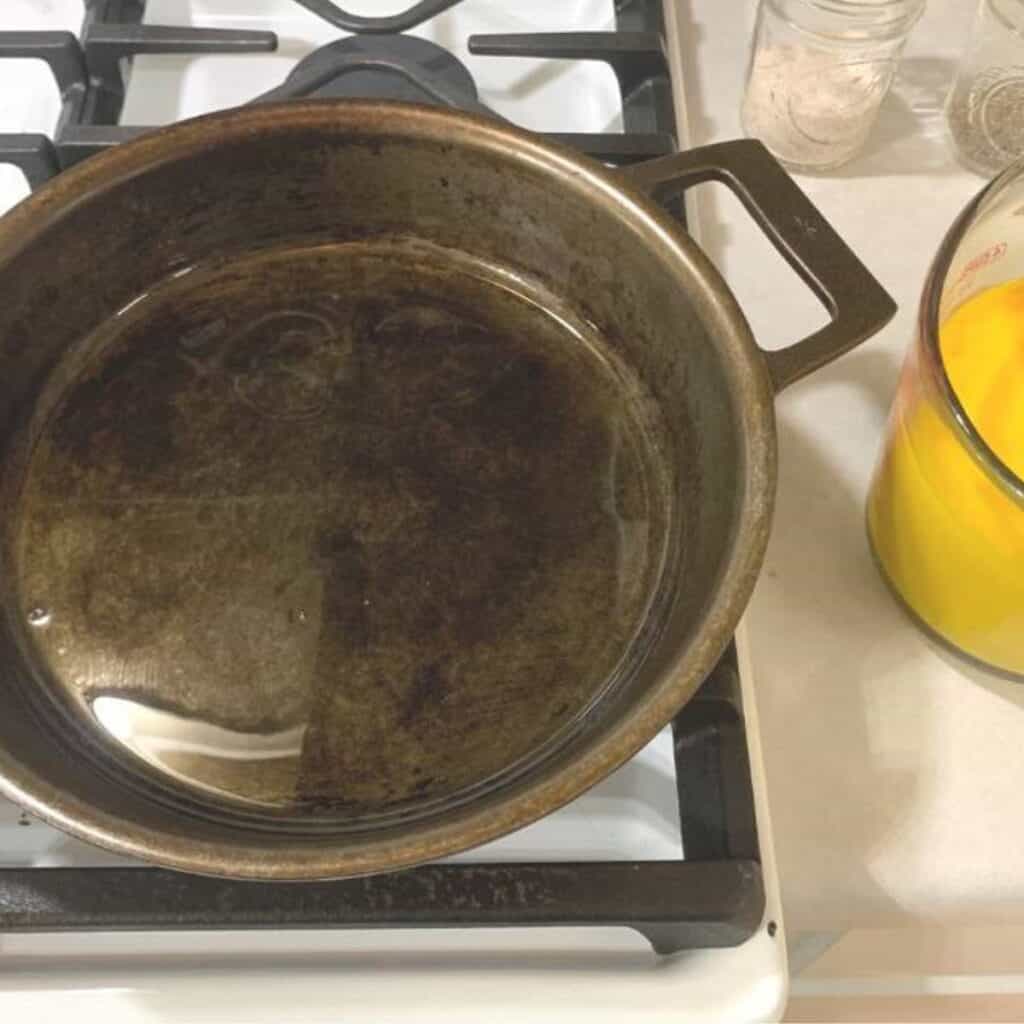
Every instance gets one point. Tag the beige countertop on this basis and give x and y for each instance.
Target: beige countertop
(894, 774)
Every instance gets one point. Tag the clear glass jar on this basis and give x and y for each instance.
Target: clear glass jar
(819, 70)
(946, 506)
(985, 104)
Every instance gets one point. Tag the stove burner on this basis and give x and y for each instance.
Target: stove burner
(715, 896)
(354, 80)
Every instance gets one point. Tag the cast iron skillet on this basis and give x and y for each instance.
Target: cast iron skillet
(375, 478)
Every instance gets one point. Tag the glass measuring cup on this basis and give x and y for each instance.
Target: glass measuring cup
(946, 506)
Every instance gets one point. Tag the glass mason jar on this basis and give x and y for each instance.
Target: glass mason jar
(945, 509)
(984, 106)
(819, 70)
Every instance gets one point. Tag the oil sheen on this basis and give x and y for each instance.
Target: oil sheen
(330, 531)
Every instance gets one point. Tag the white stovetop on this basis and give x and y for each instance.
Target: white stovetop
(894, 773)
(513, 975)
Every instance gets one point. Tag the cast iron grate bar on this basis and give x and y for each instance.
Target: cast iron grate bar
(90, 81)
(106, 45)
(713, 898)
(81, 141)
(617, 148)
(114, 11)
(712, 764)
(633, 56)
(60, 51)
(674, 905)
(640, 64)
(639, 15)
(105, 98)
(90, 78)
(33, 155)
(84, 140)
(63, 55)
(409, 19)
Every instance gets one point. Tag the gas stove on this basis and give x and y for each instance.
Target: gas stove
(674, 847)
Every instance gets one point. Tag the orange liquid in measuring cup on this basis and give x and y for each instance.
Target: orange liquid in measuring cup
(948, 537)
(983, 350)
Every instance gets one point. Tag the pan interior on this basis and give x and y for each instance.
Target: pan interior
(326, 532)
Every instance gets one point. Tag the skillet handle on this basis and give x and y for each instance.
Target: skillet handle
(859, 306)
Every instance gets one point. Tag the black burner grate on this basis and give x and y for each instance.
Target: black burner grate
(89, 75)
(715, 896)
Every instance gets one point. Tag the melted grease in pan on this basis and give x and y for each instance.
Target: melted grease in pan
(333, 529)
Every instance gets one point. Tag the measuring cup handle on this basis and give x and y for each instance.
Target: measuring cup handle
(859, 306)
